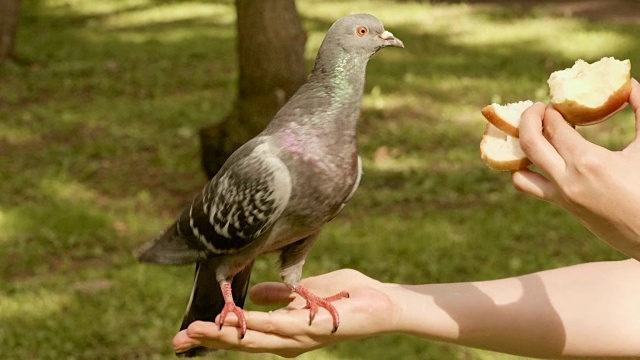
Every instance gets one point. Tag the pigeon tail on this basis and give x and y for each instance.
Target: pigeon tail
(170, 248)
(207, 300)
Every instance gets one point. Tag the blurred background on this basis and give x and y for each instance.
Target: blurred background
(106, 106)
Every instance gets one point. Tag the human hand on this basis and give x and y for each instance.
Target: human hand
(598, 186)
(286, 331)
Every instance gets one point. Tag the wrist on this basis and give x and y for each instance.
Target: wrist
(392, 309)
(415, 311)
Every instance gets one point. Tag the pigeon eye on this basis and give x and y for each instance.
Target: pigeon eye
(362, 31)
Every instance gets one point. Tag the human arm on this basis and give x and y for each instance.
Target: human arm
(596, 185)
(589, 310)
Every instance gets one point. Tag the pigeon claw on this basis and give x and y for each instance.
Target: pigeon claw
(314, 302)
(242, 321)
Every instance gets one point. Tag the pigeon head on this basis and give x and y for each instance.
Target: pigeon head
(359, 35)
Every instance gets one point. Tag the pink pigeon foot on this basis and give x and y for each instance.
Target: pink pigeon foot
(230, 306)
(314, 302)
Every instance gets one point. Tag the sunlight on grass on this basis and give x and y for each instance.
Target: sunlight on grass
(4, 224)
(95, 7)
(567, 37)
(404, 163)
(169, 36)
(405, 104)
(7, 224)
(418, 15)
(68, 190)
(34, 304)
(167, 13)
(590, 45)
(16, 135)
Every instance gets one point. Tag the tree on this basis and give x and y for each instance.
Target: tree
(271, 62)
(9, 14)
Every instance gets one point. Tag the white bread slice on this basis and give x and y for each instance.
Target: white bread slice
(586, 93)
(506, 117)
(502, 151)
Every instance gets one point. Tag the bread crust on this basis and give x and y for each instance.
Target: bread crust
(489, 112)
(578, 114)
(502, 165)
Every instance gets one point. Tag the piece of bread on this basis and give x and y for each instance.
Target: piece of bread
(587, 94)
(502, 151)
(506, 117)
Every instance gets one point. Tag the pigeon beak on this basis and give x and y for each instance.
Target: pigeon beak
(390, 40)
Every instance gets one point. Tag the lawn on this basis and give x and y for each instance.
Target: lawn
(99, 151)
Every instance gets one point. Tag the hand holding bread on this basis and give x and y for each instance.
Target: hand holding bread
(584, 94)
(596, 185)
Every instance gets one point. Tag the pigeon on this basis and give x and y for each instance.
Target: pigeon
(277, 191)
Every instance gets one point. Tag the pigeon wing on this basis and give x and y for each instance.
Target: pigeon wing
(241, 203)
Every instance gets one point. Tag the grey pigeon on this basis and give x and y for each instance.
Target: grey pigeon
(277, 191)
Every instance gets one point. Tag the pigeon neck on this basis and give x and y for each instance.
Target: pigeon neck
(342, 73)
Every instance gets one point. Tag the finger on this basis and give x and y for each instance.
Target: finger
(286, 322)
(182, 342)
(207, 334)
(634, 100)
(271, 293)
(562, 136)
(535, 145)
(534, 184)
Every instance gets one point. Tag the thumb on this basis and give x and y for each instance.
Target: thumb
(270, 293)
(634, 101)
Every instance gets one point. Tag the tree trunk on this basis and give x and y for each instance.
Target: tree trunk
(9, 14)
(271, 61)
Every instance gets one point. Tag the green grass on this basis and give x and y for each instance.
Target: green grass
(99, 151)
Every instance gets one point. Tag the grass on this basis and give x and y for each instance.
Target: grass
(99, 151)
